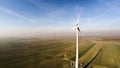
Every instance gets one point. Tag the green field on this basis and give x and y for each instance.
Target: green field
(58, 53)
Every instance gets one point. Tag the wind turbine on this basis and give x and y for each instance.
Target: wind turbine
(77, 30)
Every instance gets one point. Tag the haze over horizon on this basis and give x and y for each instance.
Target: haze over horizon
(26, 18)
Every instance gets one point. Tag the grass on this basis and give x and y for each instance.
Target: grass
(36, 53)
(109, 57)
(82, 51)
(32, 54)
(90, 54)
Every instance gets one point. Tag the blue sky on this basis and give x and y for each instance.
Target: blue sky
(43, 17)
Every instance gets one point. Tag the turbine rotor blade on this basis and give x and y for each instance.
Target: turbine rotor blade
(78, 19)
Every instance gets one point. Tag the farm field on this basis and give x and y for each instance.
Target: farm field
(58, 53)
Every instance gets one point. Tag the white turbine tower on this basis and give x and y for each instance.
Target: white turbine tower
(77, 30)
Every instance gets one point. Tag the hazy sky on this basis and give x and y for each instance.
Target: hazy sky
(43, 17)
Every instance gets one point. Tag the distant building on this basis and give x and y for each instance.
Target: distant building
(65, 57)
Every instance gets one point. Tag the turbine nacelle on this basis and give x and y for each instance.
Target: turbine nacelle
(77, 27)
